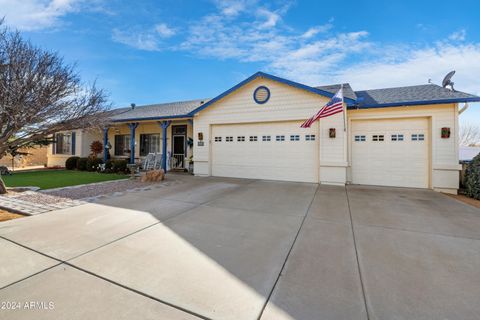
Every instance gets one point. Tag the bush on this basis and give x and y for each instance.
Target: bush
(109, 165)
(93, 163)
(472, 178)
(120, 166)
(71, 163)
(82, 164)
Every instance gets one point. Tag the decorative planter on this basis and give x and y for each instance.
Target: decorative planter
(190, 167)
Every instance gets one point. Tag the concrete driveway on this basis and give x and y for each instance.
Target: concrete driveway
(213, 248)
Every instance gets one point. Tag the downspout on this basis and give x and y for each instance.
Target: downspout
(464, 108)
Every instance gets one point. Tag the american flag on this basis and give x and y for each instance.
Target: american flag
(335, 105)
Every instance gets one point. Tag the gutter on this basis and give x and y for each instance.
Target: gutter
(413, 103)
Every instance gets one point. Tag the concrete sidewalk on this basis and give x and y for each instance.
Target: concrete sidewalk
(218, 248)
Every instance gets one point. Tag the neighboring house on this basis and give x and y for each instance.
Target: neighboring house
(404, 137)
(36, 157)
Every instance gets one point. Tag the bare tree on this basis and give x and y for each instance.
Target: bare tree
(469, 134)
(40, 94)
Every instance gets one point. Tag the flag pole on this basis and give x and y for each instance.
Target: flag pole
(344, 110)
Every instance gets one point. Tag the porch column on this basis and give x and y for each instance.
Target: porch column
(132, 127)
(105, 144)
(164, 125)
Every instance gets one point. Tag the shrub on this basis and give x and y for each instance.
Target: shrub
(108, 165)
(82, 164)
(92, 163)
(71, 163)
(120, 166)
(472, 178)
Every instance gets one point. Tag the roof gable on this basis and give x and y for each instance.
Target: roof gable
(319, 90)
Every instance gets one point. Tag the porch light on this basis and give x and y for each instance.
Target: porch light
(332, 133)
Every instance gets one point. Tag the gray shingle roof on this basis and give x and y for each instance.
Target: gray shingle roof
(333, 88)
(411, 94)
(146, 112)
(398, 96)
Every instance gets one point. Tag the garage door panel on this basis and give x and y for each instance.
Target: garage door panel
(273, 160)
(391, 163)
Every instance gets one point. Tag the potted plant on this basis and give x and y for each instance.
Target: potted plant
(190, 164)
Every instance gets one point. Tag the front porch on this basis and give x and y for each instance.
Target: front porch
(170, 140)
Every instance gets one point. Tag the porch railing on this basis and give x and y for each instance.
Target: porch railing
(177, 161)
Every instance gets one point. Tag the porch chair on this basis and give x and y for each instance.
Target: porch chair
(147, 161)
(157, 162)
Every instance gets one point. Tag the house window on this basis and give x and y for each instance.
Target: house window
(122, 145)
(397, 137)
(280, 138)
(310, 137)
(241, 138)
(218, 139)
(149, 143)
(360, 138)
(379, 137)
(294, 137)
(63, 143)
(266, 138)
(228, 139)
(253, 138)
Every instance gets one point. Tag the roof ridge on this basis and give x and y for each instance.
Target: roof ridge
(398, 87)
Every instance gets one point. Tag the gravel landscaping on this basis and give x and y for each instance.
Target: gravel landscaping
(37, 202)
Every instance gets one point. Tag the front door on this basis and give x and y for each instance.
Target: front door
(178, 147)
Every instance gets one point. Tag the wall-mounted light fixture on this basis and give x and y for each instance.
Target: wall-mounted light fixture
(445, 133)
(332, 133)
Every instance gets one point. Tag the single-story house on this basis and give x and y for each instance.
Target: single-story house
(403, 137)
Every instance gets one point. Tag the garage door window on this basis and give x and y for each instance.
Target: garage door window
(253, 138)
(418, 137)
(241, 138)
(228, 139)
(218, 139)
(280, 138)
(397, 137)
(379, 137)
(266, 138)
(295, 138)
(310, 137)
(359, 138)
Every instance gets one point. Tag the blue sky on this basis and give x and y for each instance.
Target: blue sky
(159, 51)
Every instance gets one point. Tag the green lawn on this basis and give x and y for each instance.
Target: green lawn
(48, 179)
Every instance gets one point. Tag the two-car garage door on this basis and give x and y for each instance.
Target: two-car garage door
(391, 152)
(272, 151)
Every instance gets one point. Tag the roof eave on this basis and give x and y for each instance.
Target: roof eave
(185, 116)
(412, 103)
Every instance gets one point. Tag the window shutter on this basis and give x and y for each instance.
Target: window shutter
(54, 143)
(73, 142)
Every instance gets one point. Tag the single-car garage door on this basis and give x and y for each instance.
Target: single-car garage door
(391, 152)
(273, 151)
